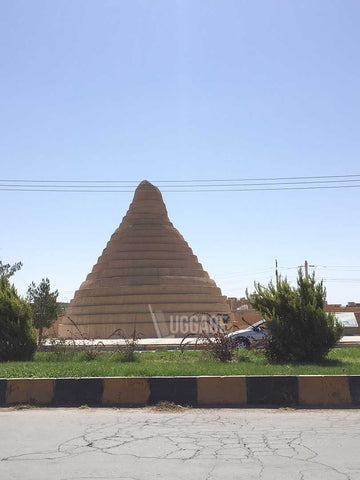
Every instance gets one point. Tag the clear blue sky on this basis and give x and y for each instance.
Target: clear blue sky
(180, 90)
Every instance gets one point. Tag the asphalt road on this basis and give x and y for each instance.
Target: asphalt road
(136, 444)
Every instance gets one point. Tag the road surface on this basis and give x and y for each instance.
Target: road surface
(191, 444)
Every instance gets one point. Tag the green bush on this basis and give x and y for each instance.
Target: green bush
(44, 306)
(17, 334)
(300, 329)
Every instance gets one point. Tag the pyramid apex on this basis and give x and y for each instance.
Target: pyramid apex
(146, 185)
(147, 201)
(146, 190)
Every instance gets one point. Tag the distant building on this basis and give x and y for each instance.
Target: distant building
(353, 304)
(243, 314)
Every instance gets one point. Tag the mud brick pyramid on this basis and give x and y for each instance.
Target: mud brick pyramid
(147, 276)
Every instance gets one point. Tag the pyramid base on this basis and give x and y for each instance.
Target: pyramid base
(176, 326)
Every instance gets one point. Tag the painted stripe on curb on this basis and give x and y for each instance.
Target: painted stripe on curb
(325, 391)
(78, 391)
(3, 383)
(36, 391)
(221, 391)
(126, 391)
(180, 390)
(272, 391)
(354, 386)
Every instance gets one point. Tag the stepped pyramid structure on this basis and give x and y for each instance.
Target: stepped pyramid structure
(147, 277)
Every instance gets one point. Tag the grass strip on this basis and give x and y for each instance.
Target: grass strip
(345, 361)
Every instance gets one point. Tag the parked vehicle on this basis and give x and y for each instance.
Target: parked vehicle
(253, 335)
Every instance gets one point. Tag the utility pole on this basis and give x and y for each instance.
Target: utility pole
(276, 273)
(306, 270)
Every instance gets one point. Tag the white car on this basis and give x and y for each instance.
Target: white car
(252, 335)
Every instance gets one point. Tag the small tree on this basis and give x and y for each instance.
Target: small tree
(300, 329)
(17, 334)
(44, 305)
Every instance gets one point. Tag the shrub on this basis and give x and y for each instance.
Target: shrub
(60, 349)
(17, 335)
(81, 343)
(126, 353)
(300, 329)
(214, 338)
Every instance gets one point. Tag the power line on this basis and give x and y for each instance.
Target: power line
(35, 185)
(265, 179)
(337, 266)
(229, 185)
(179, 191)
(186, 186)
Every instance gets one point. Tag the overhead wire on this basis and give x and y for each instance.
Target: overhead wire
(35, 185)
(180, 191)
(186, 181)
(193, 185)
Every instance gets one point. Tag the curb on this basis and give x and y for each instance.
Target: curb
(341, 391)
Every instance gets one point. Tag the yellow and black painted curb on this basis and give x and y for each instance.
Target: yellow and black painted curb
(229, 391)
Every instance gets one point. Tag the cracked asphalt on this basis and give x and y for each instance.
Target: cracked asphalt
(137, 444)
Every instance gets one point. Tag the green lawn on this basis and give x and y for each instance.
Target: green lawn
(340, 361)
